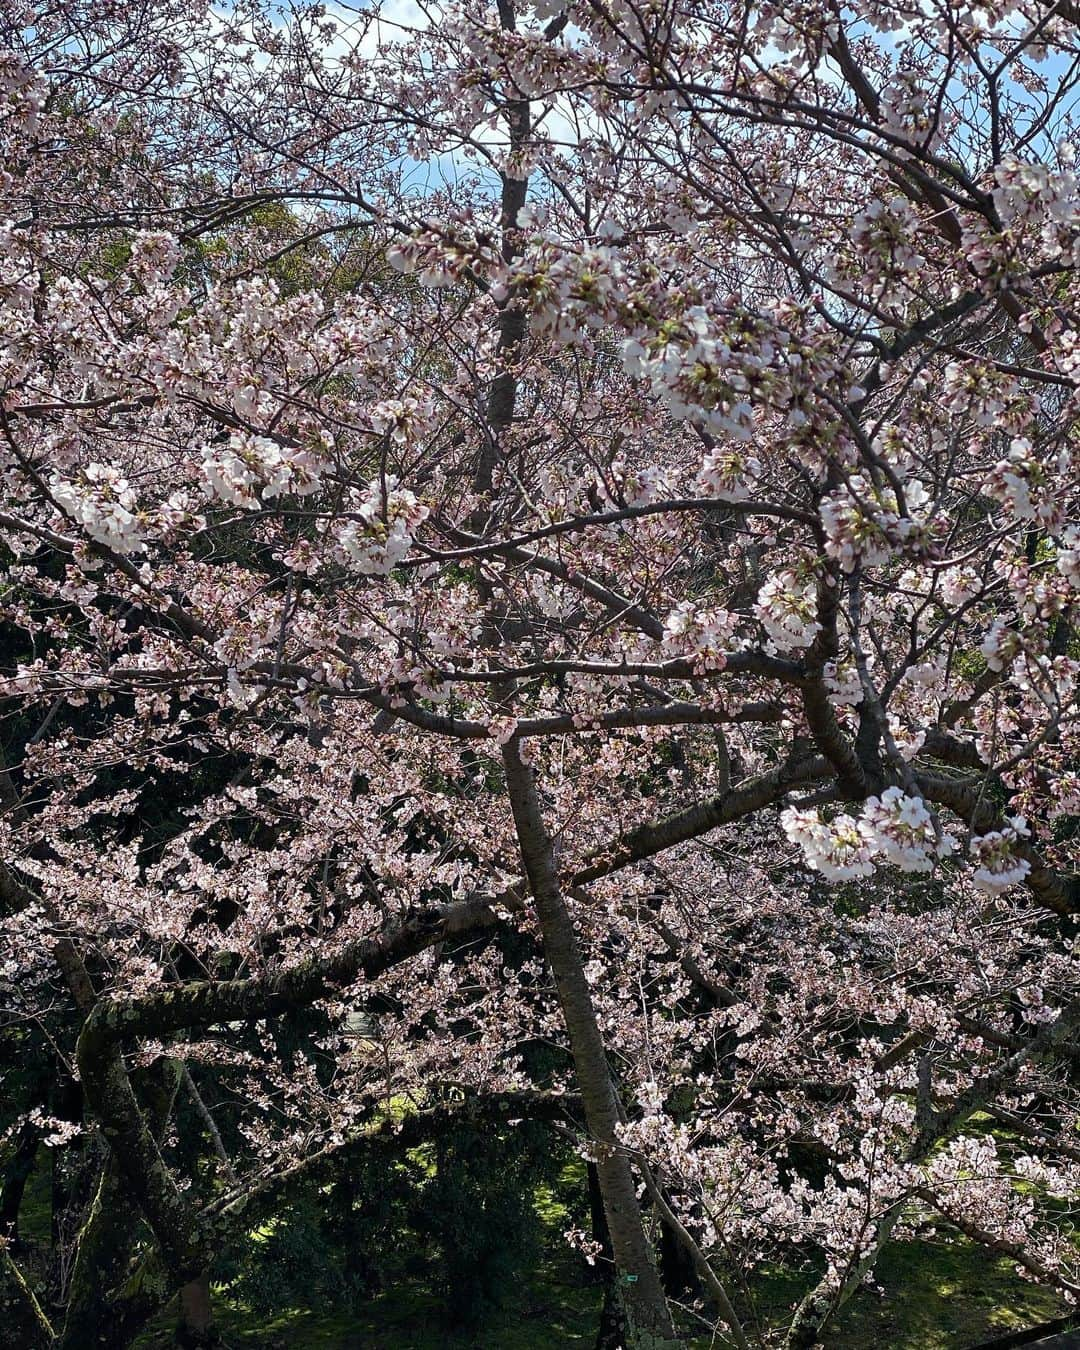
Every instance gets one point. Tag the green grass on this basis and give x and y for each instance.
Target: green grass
(938, 1296)
(942, 1296)
(550, 1312)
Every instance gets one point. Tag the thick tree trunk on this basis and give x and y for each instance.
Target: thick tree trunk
(107, 1306)
(195, 1328)
(611, 1334)
(648, 1320)
(676, 1268)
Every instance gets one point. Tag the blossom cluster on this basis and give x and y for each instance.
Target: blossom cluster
(1042, 198)
(786, 608)
(729, 475)
(380, 527)
(866, 524)
(843, 684)
(155, 256)
(245, 469)
(104, 503)
(704, 635)
(895, 828)
(22, 90)
(903, 832)
(836, 848)
(1025, 484)
(998, 867)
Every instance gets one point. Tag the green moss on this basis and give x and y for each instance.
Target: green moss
(951, 1295)
(551, 1203)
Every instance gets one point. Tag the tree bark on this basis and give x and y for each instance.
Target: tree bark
(15, 1179)
(195, 1329)
(648, 1324)
(108, 1306)
(610, 1332)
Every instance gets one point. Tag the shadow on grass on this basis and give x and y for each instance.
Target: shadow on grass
(937, 1296)
(548, 1314)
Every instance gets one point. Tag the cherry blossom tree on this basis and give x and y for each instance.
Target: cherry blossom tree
(598, 474)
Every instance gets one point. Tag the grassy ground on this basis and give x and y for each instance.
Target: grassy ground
(408, 1319)
(929, 1296)
(941, 1296)
(936, 1297)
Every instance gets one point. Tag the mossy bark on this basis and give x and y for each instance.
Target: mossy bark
(147, 1179)
(108, 1303)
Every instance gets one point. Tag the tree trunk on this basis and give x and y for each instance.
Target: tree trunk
(108, 1303)
(612, 1332)
(15, 1179)
(676, 1268)
(647, 1317)
(98, 1316)
(195, 1329)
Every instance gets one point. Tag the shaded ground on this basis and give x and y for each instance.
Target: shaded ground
(927, 1296)
(942, 1297)
(936, 1297)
